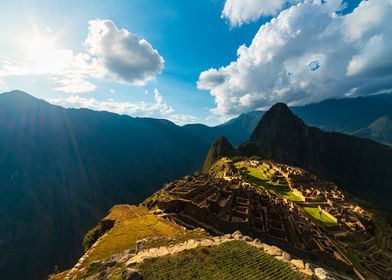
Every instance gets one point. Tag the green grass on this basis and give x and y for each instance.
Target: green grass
(132, 223)
(255, 172)
(230, 260)
(290, 196)
(322, 220)
(258, 178)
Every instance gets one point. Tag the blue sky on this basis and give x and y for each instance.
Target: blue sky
(189, 37)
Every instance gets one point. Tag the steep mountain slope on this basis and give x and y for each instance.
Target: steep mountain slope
(380, 130)
(361, 166)
(220, 148)
(61, 170)
(346, 115)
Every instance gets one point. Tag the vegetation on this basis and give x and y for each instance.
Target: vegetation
(230, 260)
(132, 223)
(96, 232)
(320, 218)
(220, 148)
(259, 178)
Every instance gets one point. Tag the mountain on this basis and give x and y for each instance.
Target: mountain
(220, 148)
(360, 166)
(380, 130)
(237, 129)
(347, 115)
(62, 169)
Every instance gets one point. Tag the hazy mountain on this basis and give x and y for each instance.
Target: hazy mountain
(237, 129)
(346, 115)
(380, 130)
(361, 166)
(62, 169)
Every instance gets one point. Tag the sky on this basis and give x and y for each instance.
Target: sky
(193, 61)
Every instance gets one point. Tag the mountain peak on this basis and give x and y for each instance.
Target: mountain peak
(220, 148)
(21, 100)
(280, 106)
(280, 110)
(17, 94)
(278, 120)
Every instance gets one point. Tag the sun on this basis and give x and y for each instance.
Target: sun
(39, 48)
(45, 57)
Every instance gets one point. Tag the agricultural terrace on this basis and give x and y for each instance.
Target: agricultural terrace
(132, 223)
(320, 217)
(229, 260)
(262, 176)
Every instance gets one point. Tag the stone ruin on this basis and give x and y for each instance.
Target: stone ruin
(221, 206)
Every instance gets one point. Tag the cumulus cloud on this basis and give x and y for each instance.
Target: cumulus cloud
(112, 54)
(308, 53)
(125, 56)
(238, 12)
(157, 109)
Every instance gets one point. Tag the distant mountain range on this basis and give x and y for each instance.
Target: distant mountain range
(62, 169)
(368, 117)
(360, 166)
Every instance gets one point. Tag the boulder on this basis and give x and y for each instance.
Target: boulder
(273, 250)
(286, 256)
(162, 251)
(228, 236)
(237, 235)
(298, 264)
(122, 257)
(130, 274)
(206, 242)
(322, 274)
(247, 238)
(257, 241)
(190, 244)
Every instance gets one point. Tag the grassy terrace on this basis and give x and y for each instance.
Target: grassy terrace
(132, 223)
(322, 220)
(230, 260)
(259, 177)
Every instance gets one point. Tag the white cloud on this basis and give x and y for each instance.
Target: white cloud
(157, 109)
(306, 54)
(126, 57)
(238, 12)
(112, 54)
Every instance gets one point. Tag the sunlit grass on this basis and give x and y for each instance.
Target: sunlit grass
(132, 223)
(257, 177)
(322, 219)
